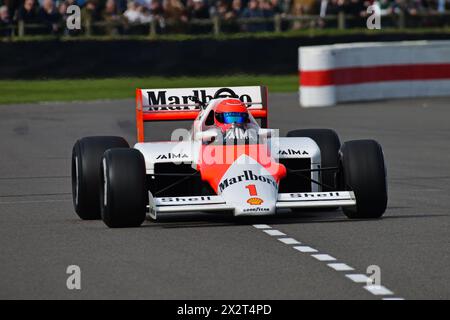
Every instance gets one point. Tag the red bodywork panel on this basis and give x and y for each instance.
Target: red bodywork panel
(216, 159)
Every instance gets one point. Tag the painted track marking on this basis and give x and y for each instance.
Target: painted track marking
(323, 257)
(262, 226)
(289, 241)
(340, 267)
(305, 249)
(358, 278)
(376, 290)
(274, 233)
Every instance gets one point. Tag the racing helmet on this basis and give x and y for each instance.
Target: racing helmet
(229, 112)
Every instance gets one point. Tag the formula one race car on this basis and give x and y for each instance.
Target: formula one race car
(228, 161)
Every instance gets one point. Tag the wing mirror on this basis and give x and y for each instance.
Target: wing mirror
(266, 133)
(206, 136)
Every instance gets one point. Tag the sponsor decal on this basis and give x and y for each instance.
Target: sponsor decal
(185, 199)
(172, 156)
(258, 209)
(314, 195)
(292, 152)
(242, 134)
(248, 175)
(160, 97)
(255, 201)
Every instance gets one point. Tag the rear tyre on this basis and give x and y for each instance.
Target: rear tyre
(329, 144)
(86, 158)
(362, 170)
(123, 193)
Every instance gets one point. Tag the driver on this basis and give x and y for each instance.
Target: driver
(232, 118)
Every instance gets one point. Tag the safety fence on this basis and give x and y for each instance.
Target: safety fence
(217, 26)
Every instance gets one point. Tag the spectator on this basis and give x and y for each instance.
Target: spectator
(12, 5)
(110, 12)
(306, 7)
(174, 11)
(276, 6)
(415, 7)
(178, 12)
(111, 17)
(89, 13)
(221, 9)
(236, 9)
(5, 22)
(298, 10)
(62, 10)
(157, 13)
(121, 5)
(385, 7)
(156, 10)
(268, 12)
(146, 16)
(144, 3)
(132, 14)
(198, 10)
(253, 10)
(28, 12)
(440, 6)
(49, 15)
(267, 8)
(355, 8)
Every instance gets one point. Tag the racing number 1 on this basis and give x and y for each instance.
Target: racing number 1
(252, 190)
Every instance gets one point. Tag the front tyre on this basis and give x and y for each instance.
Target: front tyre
(123, 192)
(86, 158)
(362, 170)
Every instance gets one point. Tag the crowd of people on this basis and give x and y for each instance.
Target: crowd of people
(173, 14)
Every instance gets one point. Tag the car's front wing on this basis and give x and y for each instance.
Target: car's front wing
(158, 206)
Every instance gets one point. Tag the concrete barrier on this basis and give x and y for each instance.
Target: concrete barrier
(372, 71)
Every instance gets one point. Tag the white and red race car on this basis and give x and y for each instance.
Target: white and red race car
(247, 171)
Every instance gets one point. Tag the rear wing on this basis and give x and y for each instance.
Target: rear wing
(180, 104)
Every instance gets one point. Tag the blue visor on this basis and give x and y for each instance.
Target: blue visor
(232, 117)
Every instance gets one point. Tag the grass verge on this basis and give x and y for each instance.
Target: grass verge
(243, 35)
(31, 91)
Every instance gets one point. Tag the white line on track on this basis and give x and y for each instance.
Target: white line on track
(262, 226)
(340, 267)
(274, 233)
(323, 257)
(305, 249)
(358, 278)
(376, 290)
(289, 241)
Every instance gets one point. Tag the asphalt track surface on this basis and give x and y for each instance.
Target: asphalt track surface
(214, 256)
